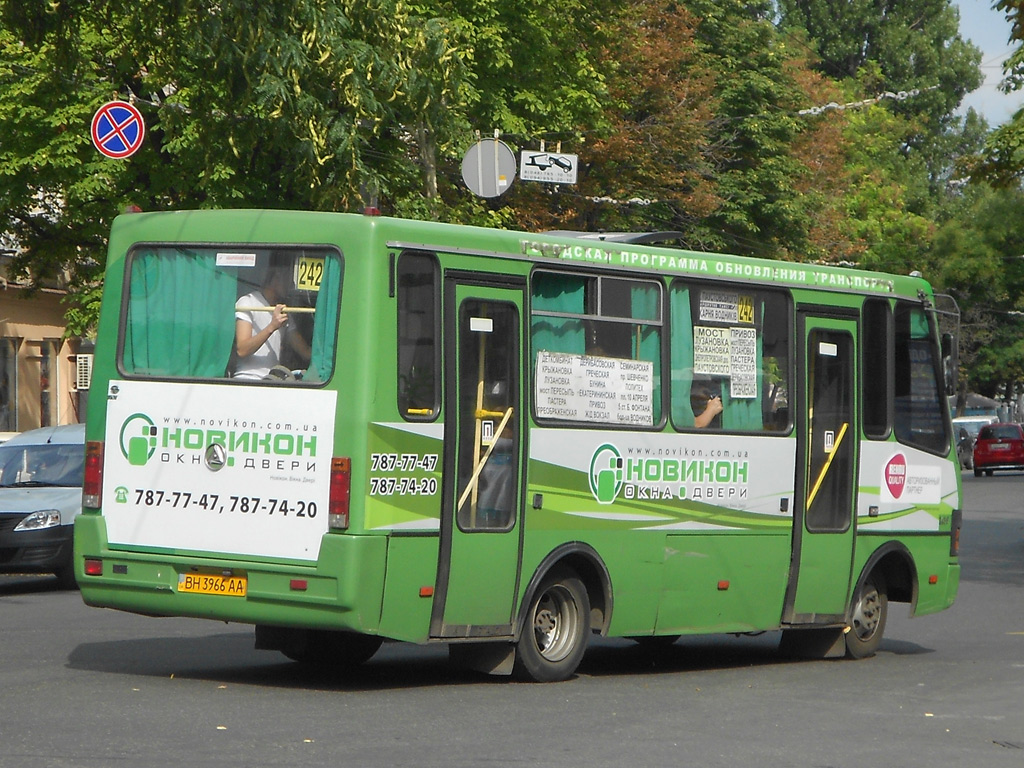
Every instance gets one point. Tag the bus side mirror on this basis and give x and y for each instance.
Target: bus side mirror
(950, 363)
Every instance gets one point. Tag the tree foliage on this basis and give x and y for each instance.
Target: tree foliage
(911, 44)
(687, 115)
(1003, 162)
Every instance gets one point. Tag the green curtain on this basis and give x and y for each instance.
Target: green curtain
(558, 293)
(325, 322)
(180, 315)
(681, 341)
(647, 338)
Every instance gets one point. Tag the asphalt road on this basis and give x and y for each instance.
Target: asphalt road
(89, 687)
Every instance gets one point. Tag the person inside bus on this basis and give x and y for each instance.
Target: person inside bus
(707, 405)
(262, 325)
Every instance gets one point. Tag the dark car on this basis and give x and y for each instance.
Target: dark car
(966, 429)
(999, 446)
(41, 474)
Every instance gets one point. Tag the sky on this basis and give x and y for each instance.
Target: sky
(989, 30)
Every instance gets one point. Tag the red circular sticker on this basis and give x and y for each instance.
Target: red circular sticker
(896, 475)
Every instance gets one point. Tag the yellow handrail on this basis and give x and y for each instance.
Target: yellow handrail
(828, 463)
(471, 485)
(271, 309)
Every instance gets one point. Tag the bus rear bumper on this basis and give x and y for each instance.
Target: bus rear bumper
(342, 590)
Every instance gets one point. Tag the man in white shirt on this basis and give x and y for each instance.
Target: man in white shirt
(260, 324)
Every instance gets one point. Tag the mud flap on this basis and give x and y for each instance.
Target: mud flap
(491, 658)
(827, 643)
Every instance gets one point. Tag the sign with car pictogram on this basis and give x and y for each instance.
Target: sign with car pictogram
(118, 129)
(552, 167)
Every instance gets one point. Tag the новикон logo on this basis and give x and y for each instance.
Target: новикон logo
(606, 474)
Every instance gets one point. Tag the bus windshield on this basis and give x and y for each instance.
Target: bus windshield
(246, 314)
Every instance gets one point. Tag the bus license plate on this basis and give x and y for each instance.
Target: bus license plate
(212, 584)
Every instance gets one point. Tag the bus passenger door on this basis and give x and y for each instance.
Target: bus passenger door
(827, 429)
(481, 519)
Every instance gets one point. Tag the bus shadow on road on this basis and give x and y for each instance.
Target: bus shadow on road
(229, 658)
(28, 584)
(706, 653)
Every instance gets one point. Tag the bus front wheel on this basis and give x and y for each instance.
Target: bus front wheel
(555, 634)
(867, 620)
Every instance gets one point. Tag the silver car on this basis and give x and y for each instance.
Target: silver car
(41, 474)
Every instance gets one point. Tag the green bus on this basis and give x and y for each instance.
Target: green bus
(507, 442)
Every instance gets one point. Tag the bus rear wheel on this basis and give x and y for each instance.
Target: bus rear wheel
(554, 636)
(867, 619)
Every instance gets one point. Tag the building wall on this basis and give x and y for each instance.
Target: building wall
(37, 366)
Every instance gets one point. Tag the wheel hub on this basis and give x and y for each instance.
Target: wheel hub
(866, 615)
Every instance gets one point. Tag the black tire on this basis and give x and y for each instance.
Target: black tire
(977, 472)
(867, 618)
(555, 631)
(988, 473)
(332, 651)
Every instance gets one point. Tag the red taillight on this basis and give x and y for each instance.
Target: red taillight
(341, 491)
(93, 486)
(93, 567)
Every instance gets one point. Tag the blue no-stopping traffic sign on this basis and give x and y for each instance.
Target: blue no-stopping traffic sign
(118, 129)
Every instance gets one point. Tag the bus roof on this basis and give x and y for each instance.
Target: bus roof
(618, 251)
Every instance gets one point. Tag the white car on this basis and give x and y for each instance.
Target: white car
(41, 474)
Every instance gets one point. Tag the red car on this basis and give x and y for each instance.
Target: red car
(999, 446)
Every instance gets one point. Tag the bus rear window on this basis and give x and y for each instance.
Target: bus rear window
(244, 314)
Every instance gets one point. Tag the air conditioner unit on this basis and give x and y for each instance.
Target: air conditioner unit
(83, 372)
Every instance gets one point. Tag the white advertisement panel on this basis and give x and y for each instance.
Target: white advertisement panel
(215, 468)
(623, 469)
(607, 390)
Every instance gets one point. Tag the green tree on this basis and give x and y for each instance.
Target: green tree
(536, 73)
(914, 44)
(911, 54)
(1003, 161)
(980, 260)
(903, 151)
(753, 140)
(263, 104)
(271, 104)
(651, 143)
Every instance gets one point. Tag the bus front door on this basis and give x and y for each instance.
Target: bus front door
(823, 533)
(481, 522)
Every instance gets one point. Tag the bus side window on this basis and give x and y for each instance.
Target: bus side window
(729, 358)
(918, 392)
(876, 367)
(419, 369)
(591, 327)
